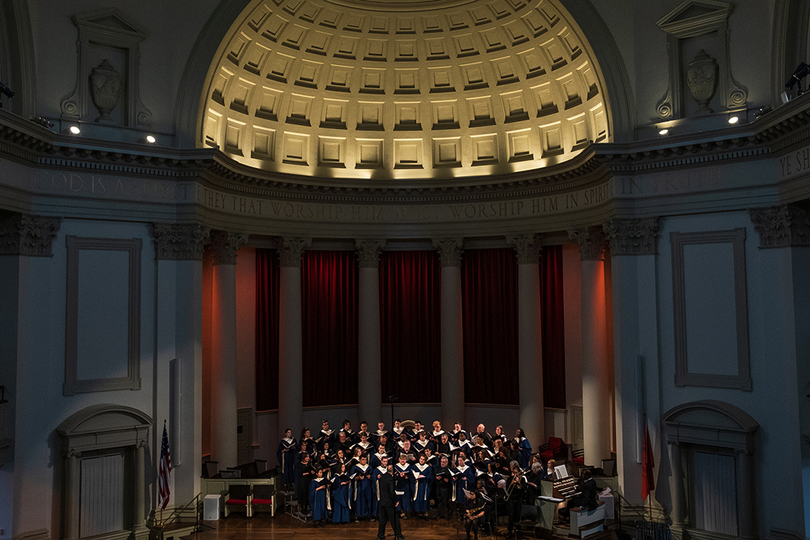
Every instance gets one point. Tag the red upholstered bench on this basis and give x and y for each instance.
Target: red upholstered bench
(239, 497)
(264, 499)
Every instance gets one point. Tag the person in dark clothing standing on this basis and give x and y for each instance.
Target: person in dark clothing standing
(388, 505)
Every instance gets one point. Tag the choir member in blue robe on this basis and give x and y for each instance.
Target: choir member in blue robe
(464, 479)
(359, 435)
(365, 444)
(375, 437)
(458, 430)
(421, 442)
(347, 429)
(286, 458)
(306, 437)
(340, 458)
(524, 449)
(423, 481)
(397, 429)
(362, 493)
(325, 435)
(375, 484)
(319, 498)
(499, 434)
(376, 459)
(437, 432)
(403, 484)
(342, 494)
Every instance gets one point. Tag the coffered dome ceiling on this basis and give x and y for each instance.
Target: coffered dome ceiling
(421, 89)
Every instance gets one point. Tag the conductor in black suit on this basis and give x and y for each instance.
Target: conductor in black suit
(388, 505)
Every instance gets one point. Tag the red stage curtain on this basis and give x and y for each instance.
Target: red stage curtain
(267, 272)
(553, 326)
(489, 289)
(410, 321)
(329, 319)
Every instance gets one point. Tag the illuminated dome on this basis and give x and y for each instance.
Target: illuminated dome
(383, 90)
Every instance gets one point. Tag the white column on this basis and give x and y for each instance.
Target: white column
(595, 362)
(179, 253)
(290, 336)
(450, 253)
(223, 348)
(369, 371)
(530, 351)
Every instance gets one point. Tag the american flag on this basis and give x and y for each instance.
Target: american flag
(165, 470)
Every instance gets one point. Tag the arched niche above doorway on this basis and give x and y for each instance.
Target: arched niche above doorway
(711, 445)
(117, 435)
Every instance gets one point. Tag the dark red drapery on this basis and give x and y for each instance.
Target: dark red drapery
(553, 326)
(329, 320)
(267, 273)
(489, 291)
(410, 326)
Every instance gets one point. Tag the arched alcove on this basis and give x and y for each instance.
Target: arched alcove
(103, 489)
(711, 450)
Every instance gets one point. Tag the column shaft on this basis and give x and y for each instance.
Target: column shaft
(290, 350)
(595, 364)
(368, 329)
(140, 483)
(532, 412)
(452, 347)
(223, 366)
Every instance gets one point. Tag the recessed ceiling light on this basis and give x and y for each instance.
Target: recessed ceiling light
(151, 139)
(733, 119)
(75, 130)
(663, 131)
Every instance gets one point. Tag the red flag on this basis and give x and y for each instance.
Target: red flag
(647, 465)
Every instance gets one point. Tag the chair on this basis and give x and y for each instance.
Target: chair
(528, 520)
(554, 449)
(239, 496)
(264, 499)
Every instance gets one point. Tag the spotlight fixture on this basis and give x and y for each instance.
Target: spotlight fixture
(733, 119)
(663, 131)
(5, 90)
(44, 122)
(151, 139)
(798, 74)
(75, 130)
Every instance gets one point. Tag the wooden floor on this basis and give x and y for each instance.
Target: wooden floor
(284, 527)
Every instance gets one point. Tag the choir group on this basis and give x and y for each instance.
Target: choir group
(457, 471)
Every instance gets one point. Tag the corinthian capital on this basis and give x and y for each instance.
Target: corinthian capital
(450, 251)
(178, 242)
(24, 234)
(527, 247)
(591, 242)
(782, 226)
(225, 245)
(632, 236)
(368, 252)
(291, 250)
